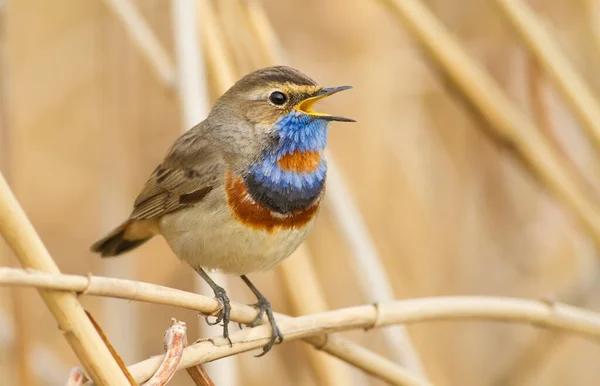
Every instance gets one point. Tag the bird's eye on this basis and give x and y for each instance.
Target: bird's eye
(278, 98)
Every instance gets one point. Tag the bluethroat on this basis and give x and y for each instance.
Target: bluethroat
(238, 192)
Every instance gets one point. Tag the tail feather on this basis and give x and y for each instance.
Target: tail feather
(119, 241)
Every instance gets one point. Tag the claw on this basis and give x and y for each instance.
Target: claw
(222, 298)
(275, 335)
(217, 321)
(224, 313)
(264, 306)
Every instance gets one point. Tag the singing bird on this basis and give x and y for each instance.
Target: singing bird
(238, 192)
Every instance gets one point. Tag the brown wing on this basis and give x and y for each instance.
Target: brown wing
(191, 169)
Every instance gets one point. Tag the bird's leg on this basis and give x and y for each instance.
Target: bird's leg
(263, 307)
(221, 296)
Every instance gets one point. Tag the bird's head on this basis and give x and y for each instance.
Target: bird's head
(269, 104)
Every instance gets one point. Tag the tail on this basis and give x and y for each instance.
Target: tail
(127, 236)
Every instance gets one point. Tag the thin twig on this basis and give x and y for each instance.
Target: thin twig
(112, 350)
(143, 37)
(507, 123)
(349, 352)
(562, 73)
(199, 376)
(175, 342)
(74, 323)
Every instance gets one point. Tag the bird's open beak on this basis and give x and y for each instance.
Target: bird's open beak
(306, 105)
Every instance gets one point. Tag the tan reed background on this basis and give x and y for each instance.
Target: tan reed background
(85, 120)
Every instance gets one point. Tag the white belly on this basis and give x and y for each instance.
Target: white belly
(206, 235)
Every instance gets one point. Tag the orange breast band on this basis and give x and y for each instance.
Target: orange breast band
(256, 216)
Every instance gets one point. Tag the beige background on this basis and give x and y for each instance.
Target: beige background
(84, 122)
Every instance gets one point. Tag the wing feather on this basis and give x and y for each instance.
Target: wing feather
(191, 169)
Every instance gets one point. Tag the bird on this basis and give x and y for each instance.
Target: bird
(238, 192)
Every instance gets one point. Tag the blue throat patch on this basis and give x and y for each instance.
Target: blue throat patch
(286, 191)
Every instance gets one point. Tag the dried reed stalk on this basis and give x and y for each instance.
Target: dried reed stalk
(72, 320)
(368, 269)
(537, 313)
(562, 73)
(192, 86)
(540, 313)
(342, 349)
(507, 123)
(143, 37)
(539, 109)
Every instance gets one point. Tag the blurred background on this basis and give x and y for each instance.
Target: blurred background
(84, 120)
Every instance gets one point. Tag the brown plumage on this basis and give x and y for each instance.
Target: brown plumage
(206, 202)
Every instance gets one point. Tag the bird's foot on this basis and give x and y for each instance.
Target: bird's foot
(223, 315)
(264, 306)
